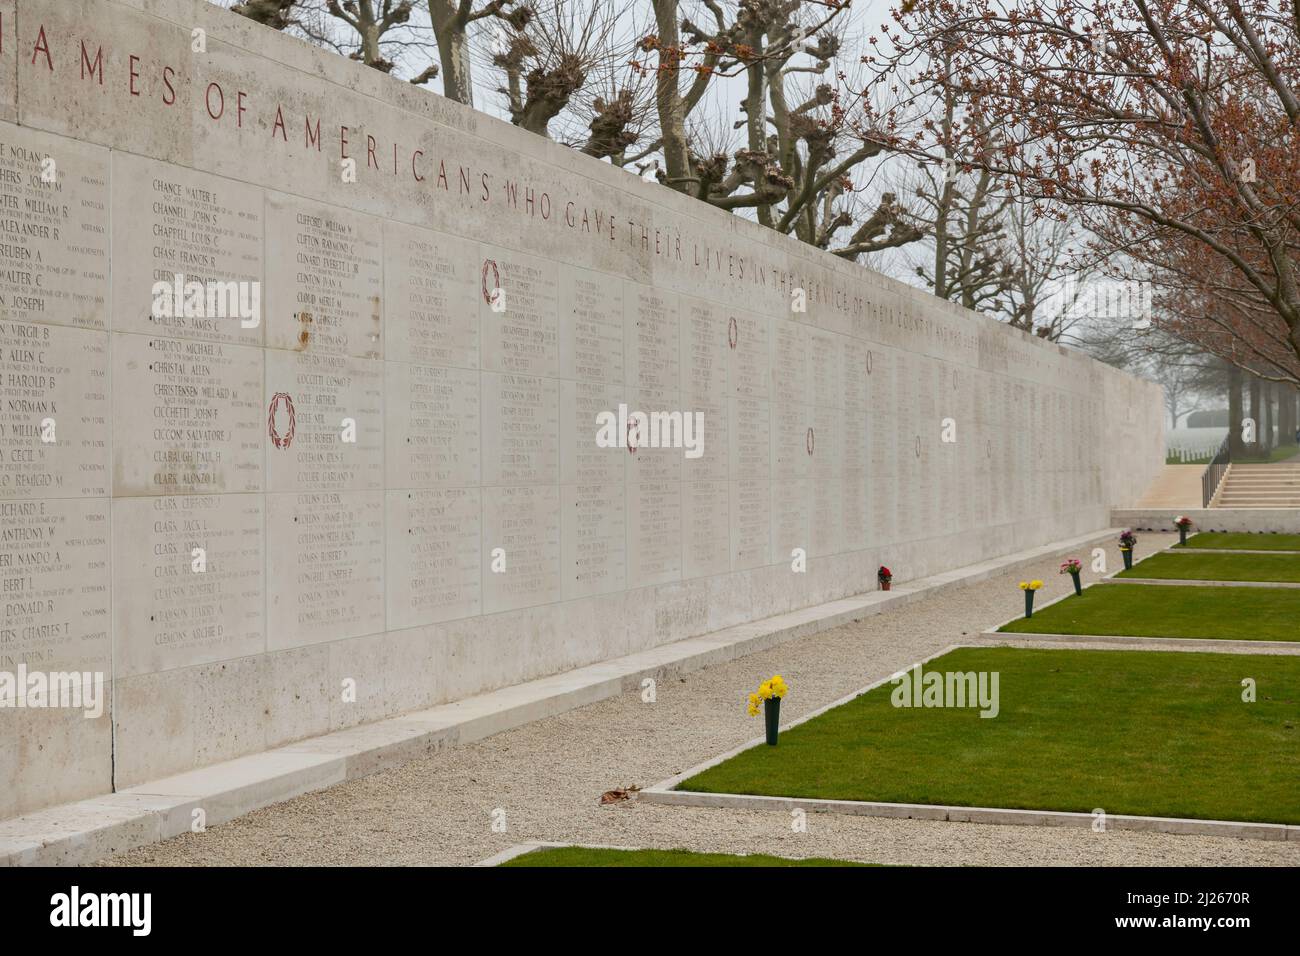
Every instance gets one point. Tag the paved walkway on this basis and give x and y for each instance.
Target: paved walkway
(548, 776)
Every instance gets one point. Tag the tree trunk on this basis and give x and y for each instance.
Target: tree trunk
(1254, 414)
(453, 51)
(1237, 448)
(1266, 435)
(668, 98)
(1286, 415)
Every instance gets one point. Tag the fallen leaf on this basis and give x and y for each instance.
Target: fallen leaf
(617, 795)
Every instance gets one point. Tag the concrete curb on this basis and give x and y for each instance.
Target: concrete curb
(1119, 641)
(1177, 550)
(994, 815)
(81, 832)
(1198, 582)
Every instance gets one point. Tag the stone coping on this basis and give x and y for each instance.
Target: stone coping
(1219, 644)
(87, 830)
(1199, 583)
(994, 815)
(1173, 550)
(665, 793)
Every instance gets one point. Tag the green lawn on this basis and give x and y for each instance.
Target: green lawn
(588, 856)
(1191, 566)
(1132, 732)
(1280, 453)
(1166, 610)
(1229, 541)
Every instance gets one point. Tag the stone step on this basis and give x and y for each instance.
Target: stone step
(1272, 505)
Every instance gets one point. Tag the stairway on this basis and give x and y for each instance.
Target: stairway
(1260, 486)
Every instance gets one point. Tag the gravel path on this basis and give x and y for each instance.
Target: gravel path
(548, 776)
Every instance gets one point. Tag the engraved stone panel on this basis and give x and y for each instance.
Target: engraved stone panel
(54, 240)
(433, 560)
(54, 410)
(325, 280)
(176, 226)
(310, 399)
(654, 533)
(430, 298)
(651, 338)
(520, 421)
(325, 566)
(524, 523)
(171, 610)
(751, 523)
(54, 585)
(749, 359)
(591, 326)
(523, 336)
(593, 539)
(749, 426)
(188, 416)
(706, 524)
(705, 357)
(792, 514)
(432, 426)
(584, 460)
(653, 455)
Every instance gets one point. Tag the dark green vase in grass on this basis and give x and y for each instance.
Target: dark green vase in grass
(1128, 558)
(1182, 535)
(1029, 602)
(1078, 588)
(772, 717)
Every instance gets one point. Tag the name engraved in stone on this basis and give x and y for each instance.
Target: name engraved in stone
(433, 426)
(431, 294)
(54, 430)
(170, 221)
(202, 423)
(327, 392)
(188, 575)
(523, 336)
(54, 237)
(54, 584)
(326, 280)
(433, 556)
(325, 577)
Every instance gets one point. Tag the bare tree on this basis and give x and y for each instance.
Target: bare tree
(805, 131)
(570, 56)
(276, 14)
(451, 20)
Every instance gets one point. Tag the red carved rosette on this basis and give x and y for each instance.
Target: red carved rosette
(490, 267)
(277, 439)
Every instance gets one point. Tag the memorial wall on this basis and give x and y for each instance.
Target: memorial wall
(319, 403)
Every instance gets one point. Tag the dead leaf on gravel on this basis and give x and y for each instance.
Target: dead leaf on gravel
(617, 795)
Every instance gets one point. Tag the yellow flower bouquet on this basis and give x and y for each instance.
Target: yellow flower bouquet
(1029, 587)
(768, 699)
